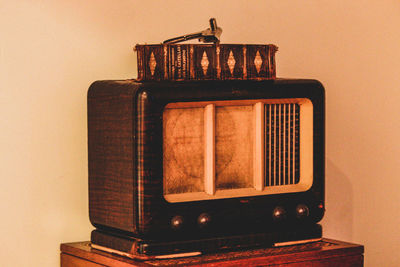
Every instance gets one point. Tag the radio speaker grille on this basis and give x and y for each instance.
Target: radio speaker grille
(282, 149)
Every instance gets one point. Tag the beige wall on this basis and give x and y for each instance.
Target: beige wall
(52, 50)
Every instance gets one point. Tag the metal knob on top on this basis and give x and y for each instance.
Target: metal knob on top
(210, 35)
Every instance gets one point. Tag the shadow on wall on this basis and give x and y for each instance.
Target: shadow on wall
(338, 220)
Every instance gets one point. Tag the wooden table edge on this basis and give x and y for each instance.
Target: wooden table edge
(76, 249)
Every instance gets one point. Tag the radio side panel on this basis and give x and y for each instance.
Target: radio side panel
(111, 154)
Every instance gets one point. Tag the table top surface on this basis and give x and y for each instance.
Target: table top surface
(322, 249)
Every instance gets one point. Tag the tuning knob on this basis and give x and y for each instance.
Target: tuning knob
(302, 211)
(177, 222)
(204, 219)
(279, 213)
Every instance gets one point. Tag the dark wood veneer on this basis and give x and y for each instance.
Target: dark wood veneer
(125, 158)
(111, 155)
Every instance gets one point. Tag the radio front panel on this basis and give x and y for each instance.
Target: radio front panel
(173, 153)
(237, 148)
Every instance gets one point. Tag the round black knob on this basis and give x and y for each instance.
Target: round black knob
(177, 222)
(279, 213)
(204, 219)
(302, 211)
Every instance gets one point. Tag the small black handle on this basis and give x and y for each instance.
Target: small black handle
(209, 35)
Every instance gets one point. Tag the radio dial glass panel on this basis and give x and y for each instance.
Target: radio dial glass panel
(237, 148)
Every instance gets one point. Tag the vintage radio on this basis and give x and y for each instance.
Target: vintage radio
(201, 165)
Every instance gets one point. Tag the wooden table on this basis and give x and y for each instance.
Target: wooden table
(327, 252)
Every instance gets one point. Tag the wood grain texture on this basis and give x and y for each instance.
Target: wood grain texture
(177, 62)
(81, 254)
(125, 142)
(111, 154)
(324, 253)
(137, 248)
(72, 261)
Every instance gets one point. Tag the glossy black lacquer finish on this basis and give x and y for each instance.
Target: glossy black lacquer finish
(126, 162)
